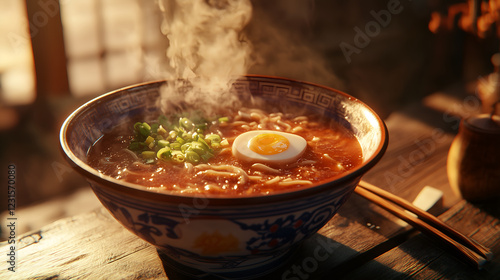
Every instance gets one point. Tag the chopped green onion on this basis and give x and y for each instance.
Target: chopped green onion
(172, 134)
(175, 146)
(180, 140)
(213, 138)
(187, 123)
(187, 136)
(144, 129)
(185, 146)
(192, 156)
(198, 147)
(207, 156)
(163, 143)
(203, 143)
(136, 126)
(178, 156)
(161, 130)
(149, 140)
(148, 154)
(162, 140)
(164, 153)
(215, 145)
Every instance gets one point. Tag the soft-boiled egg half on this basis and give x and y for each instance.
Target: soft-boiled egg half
(268, 146)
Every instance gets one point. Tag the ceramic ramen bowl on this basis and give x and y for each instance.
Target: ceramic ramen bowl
(229, 237)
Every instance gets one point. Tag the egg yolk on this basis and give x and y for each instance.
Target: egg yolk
(268, 144)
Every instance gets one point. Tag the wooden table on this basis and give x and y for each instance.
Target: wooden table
(361, 242)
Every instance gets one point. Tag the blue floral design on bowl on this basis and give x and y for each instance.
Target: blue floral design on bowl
(228, 237)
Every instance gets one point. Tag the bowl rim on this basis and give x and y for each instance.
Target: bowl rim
(136, 190)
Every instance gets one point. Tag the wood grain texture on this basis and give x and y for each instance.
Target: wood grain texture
(88, 246)
(422, 258)
(416, 157)
(362, 241)
(95, 246)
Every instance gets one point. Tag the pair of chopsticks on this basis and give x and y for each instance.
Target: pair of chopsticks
(471, 251)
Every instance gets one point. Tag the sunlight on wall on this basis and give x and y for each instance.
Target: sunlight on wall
(109, 44)
(17, 85)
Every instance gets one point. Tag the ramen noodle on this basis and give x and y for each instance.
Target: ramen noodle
(250, 152)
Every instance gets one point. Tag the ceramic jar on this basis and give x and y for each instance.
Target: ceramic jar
(474, 159)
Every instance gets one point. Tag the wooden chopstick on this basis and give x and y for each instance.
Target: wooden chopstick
(430, 219)
(474, 253)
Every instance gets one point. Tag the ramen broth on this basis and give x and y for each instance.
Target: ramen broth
(331, 151)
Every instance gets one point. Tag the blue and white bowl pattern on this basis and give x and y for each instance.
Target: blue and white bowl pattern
(227, 237)
(256, 233)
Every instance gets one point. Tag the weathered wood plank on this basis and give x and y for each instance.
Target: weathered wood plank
(95, 246)
(88, 246)
(416, 157)
(422, 258)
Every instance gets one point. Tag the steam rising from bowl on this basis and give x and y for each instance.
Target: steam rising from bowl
(206, 47)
